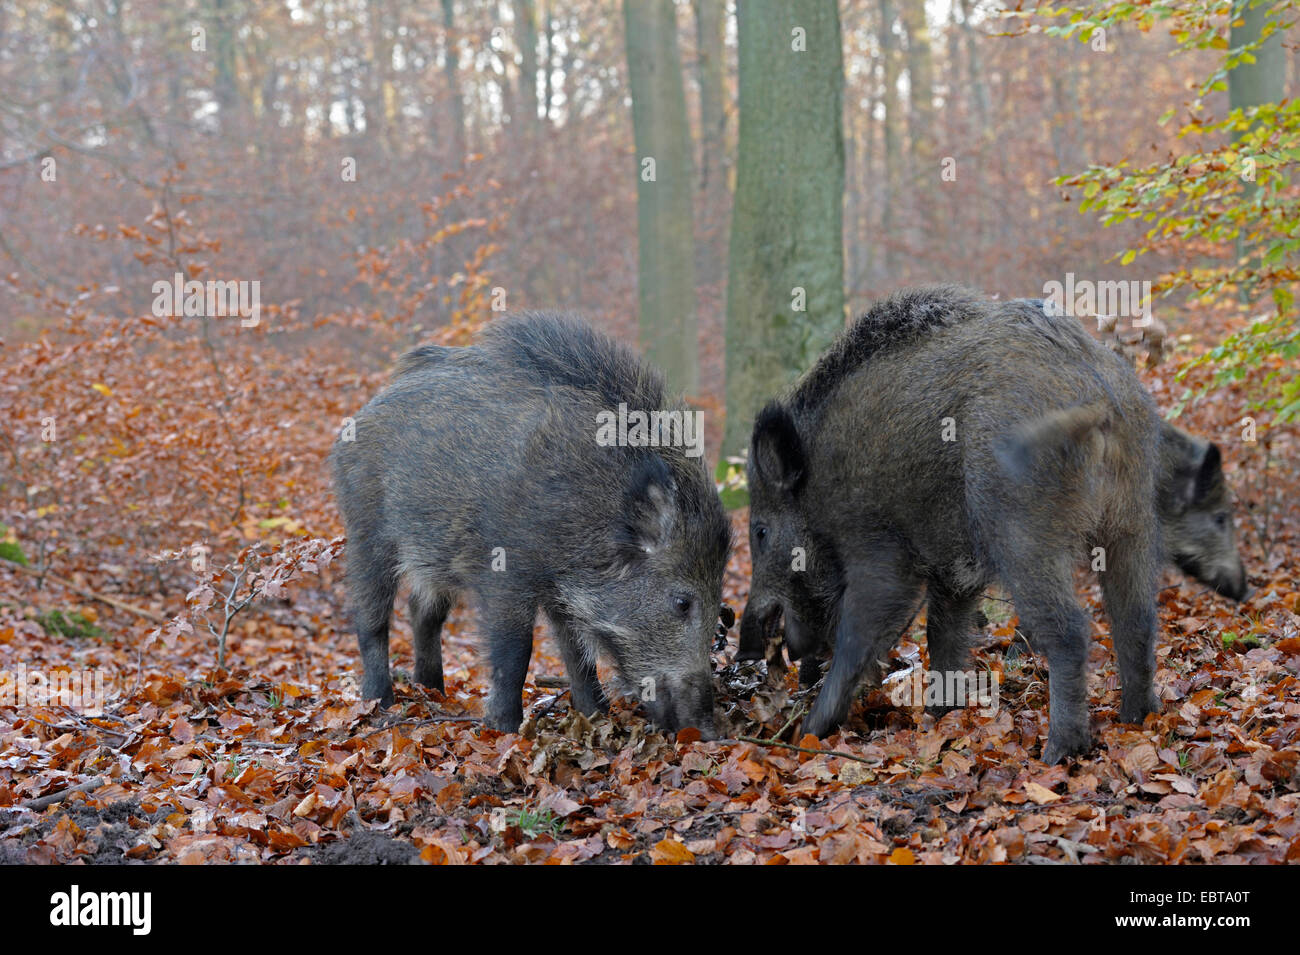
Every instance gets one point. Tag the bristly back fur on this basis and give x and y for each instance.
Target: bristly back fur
(422, 357)
(565, 351)
(902, 318)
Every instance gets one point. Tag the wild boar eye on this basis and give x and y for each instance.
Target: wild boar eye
(760, 533)
(1220, 521)
(683, 605)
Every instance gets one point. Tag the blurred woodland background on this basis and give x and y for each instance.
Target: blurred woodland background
(724, 183)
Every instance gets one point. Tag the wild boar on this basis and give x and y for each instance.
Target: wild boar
(479, 471)
(912, 457)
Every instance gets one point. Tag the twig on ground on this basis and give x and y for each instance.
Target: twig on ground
(798, 712)
(208, 738)
(42, 802)
(805, 749)
(81, 725)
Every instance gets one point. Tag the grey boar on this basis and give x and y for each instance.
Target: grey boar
(911, 457)
(1196, 512)
(478, 471)
(1192, 502)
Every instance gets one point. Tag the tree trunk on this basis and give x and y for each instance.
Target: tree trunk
(666, 244)
(1253, 84)
(979, 107)
(526, 38)
(376, 82)
(451, 68)
(786, 228)
(709, 21)
(975, 71)
(920, 74)
(889, 98)
(548, 85)
(225, 87)
(924, 170)
(857, 226)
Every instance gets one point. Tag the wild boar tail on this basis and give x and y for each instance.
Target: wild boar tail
(1067, 433)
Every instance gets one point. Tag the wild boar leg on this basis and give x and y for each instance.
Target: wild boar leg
(584, 688)
(1128, 586)
(372, 585)
(810, 671)
(1042, 587)
(947, 633)
(428, 613)
(878, 599)
(372, 641)
(509, 628)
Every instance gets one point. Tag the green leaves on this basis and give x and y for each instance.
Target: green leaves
(1227, 203)
(74, 625)
(9, 549)
(1271, 342)
(733, 486)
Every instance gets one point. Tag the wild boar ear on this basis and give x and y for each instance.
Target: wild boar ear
(776, 450)
(649, 506)
(1209, 473)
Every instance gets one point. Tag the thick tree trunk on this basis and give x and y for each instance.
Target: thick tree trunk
(1251, 84)
(665, 190)
(786, 230)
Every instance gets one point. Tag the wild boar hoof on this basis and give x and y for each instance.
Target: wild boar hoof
(1061, 745)
(589, 705)
(820, 725)
(1136, 710)
(504, 721)
(384, 694)
(430, 679)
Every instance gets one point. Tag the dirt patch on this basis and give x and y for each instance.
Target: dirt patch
(11, 853)
(365, 847)
(80, 832)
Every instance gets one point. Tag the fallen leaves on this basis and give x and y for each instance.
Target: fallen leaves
(671, 852)
(275, 759)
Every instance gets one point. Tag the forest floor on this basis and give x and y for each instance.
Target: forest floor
(275, 759)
